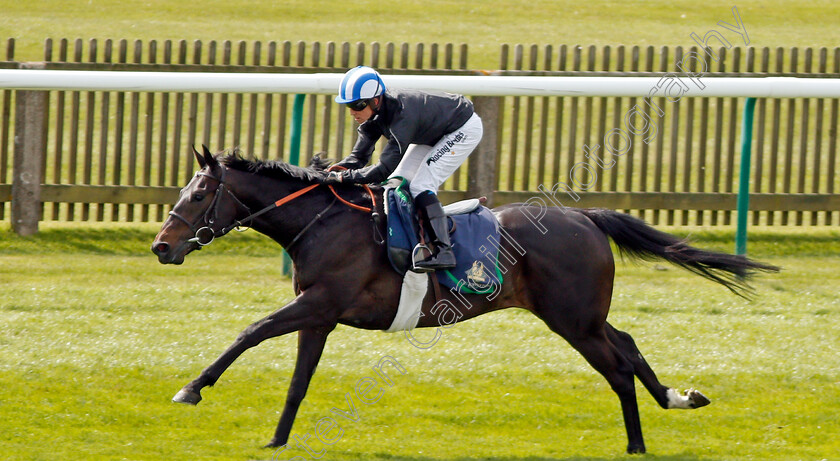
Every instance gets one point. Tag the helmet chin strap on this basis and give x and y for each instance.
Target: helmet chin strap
(375, 107)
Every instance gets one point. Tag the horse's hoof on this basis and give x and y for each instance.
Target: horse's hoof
(697, 399)
(689, 400)
(636, 449)
(188, 397)
(275, 444)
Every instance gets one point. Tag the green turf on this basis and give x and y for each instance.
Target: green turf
(96, 337)
(484, 26)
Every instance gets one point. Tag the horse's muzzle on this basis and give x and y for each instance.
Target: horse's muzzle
(165, 253)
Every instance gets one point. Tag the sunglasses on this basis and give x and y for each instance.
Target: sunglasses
(358, 105)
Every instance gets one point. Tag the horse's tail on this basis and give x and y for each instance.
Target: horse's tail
(637, 239)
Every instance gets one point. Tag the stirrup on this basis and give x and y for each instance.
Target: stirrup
(419, 248)
(435, 262)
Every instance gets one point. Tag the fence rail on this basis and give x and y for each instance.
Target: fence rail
(121, 156)
(695, 150)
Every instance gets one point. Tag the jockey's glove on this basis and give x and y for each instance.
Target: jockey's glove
(334, 177)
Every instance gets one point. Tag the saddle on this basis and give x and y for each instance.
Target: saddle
(474, 232)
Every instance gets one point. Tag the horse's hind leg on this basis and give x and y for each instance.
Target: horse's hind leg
(618, 371)
(666, 397)
(587, 335)
(581, 322)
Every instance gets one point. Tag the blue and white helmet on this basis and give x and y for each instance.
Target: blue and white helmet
(360, 82)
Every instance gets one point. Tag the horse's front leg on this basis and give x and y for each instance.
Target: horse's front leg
(310, 346)
(303, 312)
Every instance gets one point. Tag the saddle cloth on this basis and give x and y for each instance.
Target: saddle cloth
(475, 240)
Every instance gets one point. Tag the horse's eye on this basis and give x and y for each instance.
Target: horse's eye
(197, 197)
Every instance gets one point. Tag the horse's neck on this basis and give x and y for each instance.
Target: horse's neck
(290, 219)
(259, 193)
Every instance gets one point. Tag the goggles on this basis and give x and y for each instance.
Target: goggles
(358, 105)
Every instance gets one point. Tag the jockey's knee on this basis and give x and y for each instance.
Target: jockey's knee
(419, 188)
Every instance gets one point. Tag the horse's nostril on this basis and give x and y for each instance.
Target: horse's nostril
(160, 248)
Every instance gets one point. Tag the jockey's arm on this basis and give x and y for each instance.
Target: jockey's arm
(362, 151)
(388, 161)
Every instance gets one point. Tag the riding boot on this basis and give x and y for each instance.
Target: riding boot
(443, 257)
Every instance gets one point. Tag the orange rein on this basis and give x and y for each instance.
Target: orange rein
(353, 205)
(297, 194)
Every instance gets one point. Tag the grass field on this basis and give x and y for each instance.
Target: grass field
(484, 26)
(96, 337)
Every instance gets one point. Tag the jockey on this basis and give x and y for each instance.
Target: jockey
(429, 136)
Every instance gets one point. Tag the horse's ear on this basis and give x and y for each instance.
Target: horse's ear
(209, 159)
(198, 157)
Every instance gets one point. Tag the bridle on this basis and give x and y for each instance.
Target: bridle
(205, 234)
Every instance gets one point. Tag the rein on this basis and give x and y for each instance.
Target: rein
(371, 210)
(377, 236)
(206, 234)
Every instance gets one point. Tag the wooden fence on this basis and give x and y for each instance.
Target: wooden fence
(122, 156)
(687, 173)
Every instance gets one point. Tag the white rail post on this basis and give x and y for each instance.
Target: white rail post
(30, 148)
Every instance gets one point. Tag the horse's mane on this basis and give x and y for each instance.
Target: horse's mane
(277, 169)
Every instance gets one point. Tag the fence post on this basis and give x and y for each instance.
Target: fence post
(294, 158)
(481, 175)
(744, 181)
(30, 149)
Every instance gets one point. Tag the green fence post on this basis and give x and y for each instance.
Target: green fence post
(744, 178)
(294, 155)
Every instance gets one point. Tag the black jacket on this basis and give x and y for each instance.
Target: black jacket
(404, 117)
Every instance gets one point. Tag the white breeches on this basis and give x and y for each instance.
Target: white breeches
(427, 167)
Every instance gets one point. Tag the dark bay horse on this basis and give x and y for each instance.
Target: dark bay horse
(562, 272)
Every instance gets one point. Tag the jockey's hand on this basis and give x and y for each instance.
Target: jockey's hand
(334, 177)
